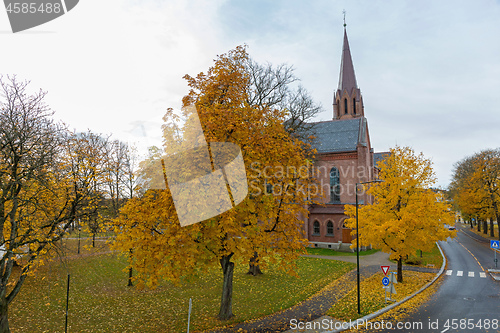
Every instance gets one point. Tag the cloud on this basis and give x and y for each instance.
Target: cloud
(429, 71)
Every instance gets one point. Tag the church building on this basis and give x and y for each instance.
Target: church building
(344, 157)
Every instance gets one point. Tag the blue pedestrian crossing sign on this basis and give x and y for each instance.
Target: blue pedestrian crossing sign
(385, 281)
(494, 244)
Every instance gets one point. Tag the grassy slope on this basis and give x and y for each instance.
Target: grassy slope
(101, 302)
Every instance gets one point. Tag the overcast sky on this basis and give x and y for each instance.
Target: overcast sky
(429, 71)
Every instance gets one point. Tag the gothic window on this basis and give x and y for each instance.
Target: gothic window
(316, 230)
(329, 228)
(345, 105)
(354, 105)
(334, 185)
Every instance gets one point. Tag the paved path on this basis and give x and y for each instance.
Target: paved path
(315, 307)
(378, 258)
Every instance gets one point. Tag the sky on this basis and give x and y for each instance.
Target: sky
(429, 71)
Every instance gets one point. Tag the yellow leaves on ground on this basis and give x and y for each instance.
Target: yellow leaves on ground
(373, 295)
(100, 301)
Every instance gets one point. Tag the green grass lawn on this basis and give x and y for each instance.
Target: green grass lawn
(432, 257)
(328, 252)
(100, 301)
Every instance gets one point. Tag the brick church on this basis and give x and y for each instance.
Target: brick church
(344, 157)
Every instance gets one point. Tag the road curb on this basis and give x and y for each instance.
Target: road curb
(370, 316)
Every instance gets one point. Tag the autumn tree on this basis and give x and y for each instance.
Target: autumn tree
(407, 215)
(462, 190)
(475, 187)
(276, 87)
(39, 195)
(88, 156)
(267, 221)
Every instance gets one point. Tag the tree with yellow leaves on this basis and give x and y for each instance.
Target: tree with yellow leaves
(266, 222)
(407, 215)
(42, 188)
(476, 187)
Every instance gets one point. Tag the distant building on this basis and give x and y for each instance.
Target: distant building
(344, 157)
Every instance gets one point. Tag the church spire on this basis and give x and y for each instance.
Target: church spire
(347, 102)
(347, 78)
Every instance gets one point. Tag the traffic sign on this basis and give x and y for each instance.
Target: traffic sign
(385, 269)
(385, 281)
(494, 244)
(390, 288)
(392, 277)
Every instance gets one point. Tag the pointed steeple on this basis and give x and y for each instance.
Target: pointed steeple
(347, 78)
(347, 100)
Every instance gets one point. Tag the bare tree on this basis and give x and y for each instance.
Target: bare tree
(273, 86)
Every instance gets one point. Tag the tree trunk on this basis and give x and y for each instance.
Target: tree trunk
(130, 284)
(253, 266)
(4, 320)
(485, 227)
(93, 239)
(478, 225)
(227, 266)
(400, 270)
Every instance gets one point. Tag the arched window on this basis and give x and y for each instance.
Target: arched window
(316, 230)
(345, 105)
(334, 185)
(354, 105)
(329, 228)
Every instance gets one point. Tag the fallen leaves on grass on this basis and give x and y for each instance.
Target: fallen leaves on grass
(373, 295)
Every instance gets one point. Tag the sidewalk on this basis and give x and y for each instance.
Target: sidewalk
(378, 258)
(466, 230)
(315, 307)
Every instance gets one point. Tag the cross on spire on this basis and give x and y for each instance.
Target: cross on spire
(343, 12)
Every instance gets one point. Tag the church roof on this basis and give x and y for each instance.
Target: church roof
(347, 78)
(339, 135)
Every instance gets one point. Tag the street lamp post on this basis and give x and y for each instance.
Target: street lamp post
(357, 240)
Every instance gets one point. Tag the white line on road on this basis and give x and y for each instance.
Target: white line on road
(445, 330)
(460, 273)
(448, 272)
(482, 274)
(471, 274)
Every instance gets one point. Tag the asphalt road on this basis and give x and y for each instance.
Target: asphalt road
(467, 300)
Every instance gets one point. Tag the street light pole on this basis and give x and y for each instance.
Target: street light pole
(357, 240)
(357, 249)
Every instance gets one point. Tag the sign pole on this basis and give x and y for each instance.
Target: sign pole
(189, 313)
(495, 245)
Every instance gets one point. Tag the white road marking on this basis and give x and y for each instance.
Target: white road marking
(448, 272)
(482, 274)
(471, 274)
(460, 273)
(445, 330)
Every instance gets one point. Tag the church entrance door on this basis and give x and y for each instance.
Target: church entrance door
(346, 235)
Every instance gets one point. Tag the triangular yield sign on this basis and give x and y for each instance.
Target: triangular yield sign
(385, 269)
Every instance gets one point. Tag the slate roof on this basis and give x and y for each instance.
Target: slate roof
(339, 135)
